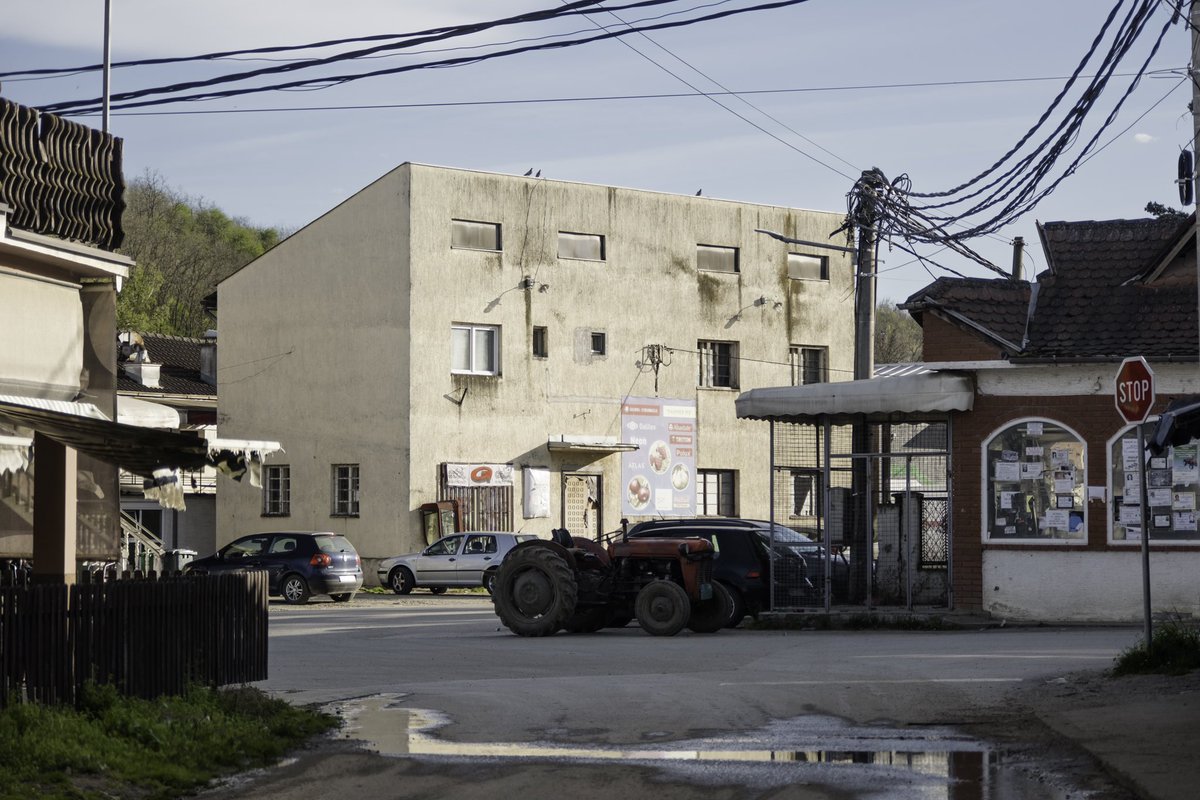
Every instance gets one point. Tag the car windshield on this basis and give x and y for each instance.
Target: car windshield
(334, 544)
(783, 535)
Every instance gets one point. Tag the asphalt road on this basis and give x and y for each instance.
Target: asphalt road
(456, 705)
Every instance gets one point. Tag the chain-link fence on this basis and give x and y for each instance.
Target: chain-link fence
(862, 514)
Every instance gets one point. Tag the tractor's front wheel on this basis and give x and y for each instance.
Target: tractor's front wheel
(535, 591)
(709, 616)
(662, 608)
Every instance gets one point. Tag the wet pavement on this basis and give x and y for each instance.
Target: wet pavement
(817, 752)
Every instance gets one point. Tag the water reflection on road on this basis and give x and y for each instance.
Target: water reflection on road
(863, 761)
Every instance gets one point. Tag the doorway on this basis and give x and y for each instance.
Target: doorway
(582, 500)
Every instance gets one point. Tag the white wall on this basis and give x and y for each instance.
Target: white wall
(1060, 585)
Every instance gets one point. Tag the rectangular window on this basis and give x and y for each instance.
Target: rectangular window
(469, 235)
(1171, 483)
(808, 268)
(715, 493)
(475, 349)
(599, 343)
(345, 490)
(718, 363)
(541, 347)
(808, 365)
(583, 246)
(806, 493)
(716, 259)
(277, 490)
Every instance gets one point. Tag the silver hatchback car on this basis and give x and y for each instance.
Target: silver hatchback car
(466, 559)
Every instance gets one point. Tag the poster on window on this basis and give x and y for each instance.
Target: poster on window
(659, 478)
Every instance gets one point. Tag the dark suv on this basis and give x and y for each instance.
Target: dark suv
(298, 565)
(745, 550)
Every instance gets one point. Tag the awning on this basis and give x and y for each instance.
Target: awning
(572, 443)
(142, 451)
(145, 414)
(14, 453)
(881, 398)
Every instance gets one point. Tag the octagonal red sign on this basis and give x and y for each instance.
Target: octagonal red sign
(1134, 389)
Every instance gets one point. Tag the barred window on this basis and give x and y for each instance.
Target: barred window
(277, 490)
(808, 364)
(345, 490)
(718, 363)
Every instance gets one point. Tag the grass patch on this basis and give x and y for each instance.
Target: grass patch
(119, 747)
(1174, 650)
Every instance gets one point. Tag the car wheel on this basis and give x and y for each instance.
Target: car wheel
(401, 580)
(342, 598)
(737, 611)
(535, 591)
(437, 589)
(294, 590)
(662, 608)
(489, 581)
(709, 616)
(587, 620)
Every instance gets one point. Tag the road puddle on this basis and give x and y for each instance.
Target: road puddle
(866, 761)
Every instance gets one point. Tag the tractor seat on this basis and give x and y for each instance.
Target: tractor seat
(562, 536)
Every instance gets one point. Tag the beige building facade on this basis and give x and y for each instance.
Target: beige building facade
(446, 333)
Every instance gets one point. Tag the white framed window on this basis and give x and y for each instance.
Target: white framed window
(1172, 485)
(809, 364)
(713, 258)
(581, 246)
(715, 492)
(466, 234)
(1035, 484)
(277, 490)
(344, 492)
(718, 364)
(802, 267)
(474, 349)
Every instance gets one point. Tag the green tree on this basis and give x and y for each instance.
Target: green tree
(898, 337)
(182, 248)
(1159, 211)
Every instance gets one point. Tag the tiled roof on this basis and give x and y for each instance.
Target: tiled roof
(1091, 302)
(180, 373)
(999, 306)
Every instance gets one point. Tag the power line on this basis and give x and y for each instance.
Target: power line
(134, 99)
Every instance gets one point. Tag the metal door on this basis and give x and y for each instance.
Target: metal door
(581, 504)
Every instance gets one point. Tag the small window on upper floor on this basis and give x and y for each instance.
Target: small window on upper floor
(808, 268)
(809, 364)
(712, 258)
(541, 347)
(475, 349)
(581, 246)
(718, 364)
(470, 235)
(599, 343)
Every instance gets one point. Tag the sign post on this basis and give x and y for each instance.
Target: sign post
(1133, 392)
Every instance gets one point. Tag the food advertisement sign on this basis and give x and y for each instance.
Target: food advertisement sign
(660, 476)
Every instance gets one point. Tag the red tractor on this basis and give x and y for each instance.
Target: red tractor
(575, 584)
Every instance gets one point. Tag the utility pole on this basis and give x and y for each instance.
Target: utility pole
(865, 213)
(1194, 18)
(106, 89)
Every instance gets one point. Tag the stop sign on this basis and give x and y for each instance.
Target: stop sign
(1134, 389)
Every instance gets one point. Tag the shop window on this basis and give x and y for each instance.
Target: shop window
(1035, 484)
(1172, 482)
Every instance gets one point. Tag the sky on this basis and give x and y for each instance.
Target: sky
(851, 66)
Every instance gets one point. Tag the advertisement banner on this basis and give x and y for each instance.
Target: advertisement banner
(659, 478)
(479, 474)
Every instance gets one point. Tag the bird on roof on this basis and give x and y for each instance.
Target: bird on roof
(698, 191)
(539, 174)
(530, 172)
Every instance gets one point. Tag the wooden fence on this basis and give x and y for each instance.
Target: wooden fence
(147, 637)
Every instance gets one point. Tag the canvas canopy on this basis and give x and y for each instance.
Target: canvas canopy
(877, 398)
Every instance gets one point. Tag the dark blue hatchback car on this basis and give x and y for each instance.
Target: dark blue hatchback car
(298, 564)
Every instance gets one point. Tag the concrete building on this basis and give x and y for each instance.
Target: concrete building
(450, 334)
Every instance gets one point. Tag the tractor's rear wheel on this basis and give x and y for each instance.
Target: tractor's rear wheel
(709, 616)
(662, 608)
(535, 591)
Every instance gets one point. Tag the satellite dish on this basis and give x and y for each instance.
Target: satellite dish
(1186, 178)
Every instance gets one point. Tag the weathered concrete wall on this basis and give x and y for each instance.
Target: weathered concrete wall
(337, 343)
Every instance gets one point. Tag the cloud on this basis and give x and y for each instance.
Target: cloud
(1144, 138)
